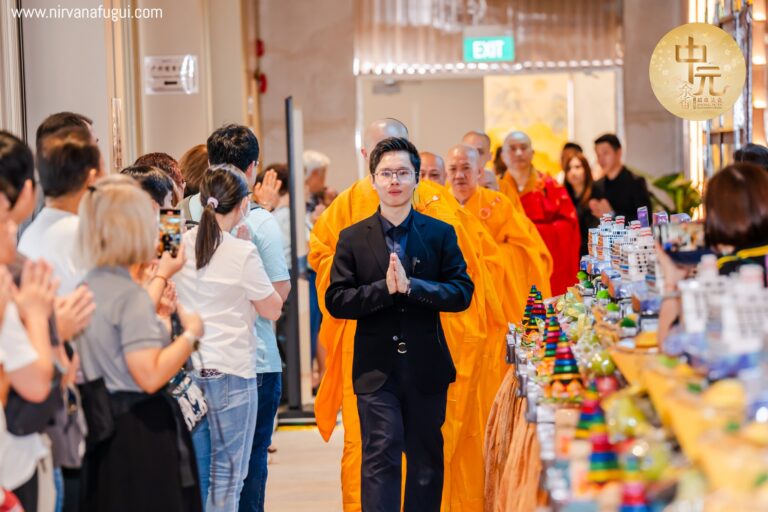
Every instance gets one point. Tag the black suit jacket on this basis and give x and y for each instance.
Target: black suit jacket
(626, 193)
(358, 291)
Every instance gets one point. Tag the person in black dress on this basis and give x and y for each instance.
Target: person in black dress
(578, 183)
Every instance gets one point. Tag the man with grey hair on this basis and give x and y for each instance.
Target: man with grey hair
(482, 143)
(315, 168)
(548, 205)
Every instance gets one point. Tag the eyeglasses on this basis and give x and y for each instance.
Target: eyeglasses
(403, 175)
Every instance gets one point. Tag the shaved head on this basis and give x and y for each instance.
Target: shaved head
(481, 142)
(464, 150)
(463, 171)
(432, 167)
(518, 136)
(382, 129)
(477, 140)
(476, 133)
(517, 153)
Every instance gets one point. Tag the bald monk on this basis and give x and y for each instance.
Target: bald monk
(482, 143)
(432, 168)
(465, 333)
(489, 179)
(547, 204)
(522, 259)
(527, 260)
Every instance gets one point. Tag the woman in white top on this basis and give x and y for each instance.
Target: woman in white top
(224, 280)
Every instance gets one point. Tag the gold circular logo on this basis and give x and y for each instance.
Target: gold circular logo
(697, 71)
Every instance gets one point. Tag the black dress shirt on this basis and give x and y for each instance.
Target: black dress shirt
(396, 237)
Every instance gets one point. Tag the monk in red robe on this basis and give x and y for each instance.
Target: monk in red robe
(547, 204)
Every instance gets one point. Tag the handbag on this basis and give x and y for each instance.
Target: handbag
(24, 418)
(189, 397)
(183, 389)
(68, 431)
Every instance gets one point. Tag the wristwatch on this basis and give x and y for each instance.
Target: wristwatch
(192, 340)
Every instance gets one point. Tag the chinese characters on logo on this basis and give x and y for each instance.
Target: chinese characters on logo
(697, 71)
(705, 98)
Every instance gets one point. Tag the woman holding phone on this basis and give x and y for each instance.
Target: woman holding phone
(127, 359)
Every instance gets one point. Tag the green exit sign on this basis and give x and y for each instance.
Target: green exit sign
(489, 49)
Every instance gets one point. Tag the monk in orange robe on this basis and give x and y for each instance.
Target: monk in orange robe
(465, 332)
(432, 168)
(547, 204)
(527, 261)
(482, 143)
(522, 258)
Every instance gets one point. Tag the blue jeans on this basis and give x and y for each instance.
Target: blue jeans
(315, 315)
(270, 388)
(223, 442)
(58, 482)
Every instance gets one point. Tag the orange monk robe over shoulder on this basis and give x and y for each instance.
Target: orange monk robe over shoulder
(526, 259)
(492, 363)
(509, 189)
(520, 259)
(548, 205)
(465, 333)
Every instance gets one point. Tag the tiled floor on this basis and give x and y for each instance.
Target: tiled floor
(304, 474)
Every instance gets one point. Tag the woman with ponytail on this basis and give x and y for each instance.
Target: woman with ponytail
(224, 279)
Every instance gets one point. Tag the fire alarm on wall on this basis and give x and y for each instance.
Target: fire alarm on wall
(261, 78)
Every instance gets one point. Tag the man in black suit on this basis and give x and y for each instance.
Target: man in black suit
(619, 191)
(394, 272)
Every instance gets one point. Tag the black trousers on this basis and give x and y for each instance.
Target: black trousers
(397, 419)
(27, 493)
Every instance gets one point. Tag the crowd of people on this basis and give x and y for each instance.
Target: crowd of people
(127, 358)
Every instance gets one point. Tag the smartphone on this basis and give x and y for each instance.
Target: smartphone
(169, 238)
(683, 242)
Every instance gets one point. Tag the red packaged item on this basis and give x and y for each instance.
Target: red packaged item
(9, 502)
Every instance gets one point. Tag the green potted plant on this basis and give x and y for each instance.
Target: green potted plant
(682, 196)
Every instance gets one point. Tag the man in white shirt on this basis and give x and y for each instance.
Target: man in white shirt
(69, 162)
(17, 184)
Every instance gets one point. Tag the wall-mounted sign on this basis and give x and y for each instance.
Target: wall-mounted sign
(697, 71)
(488, 44)
(173, 74)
